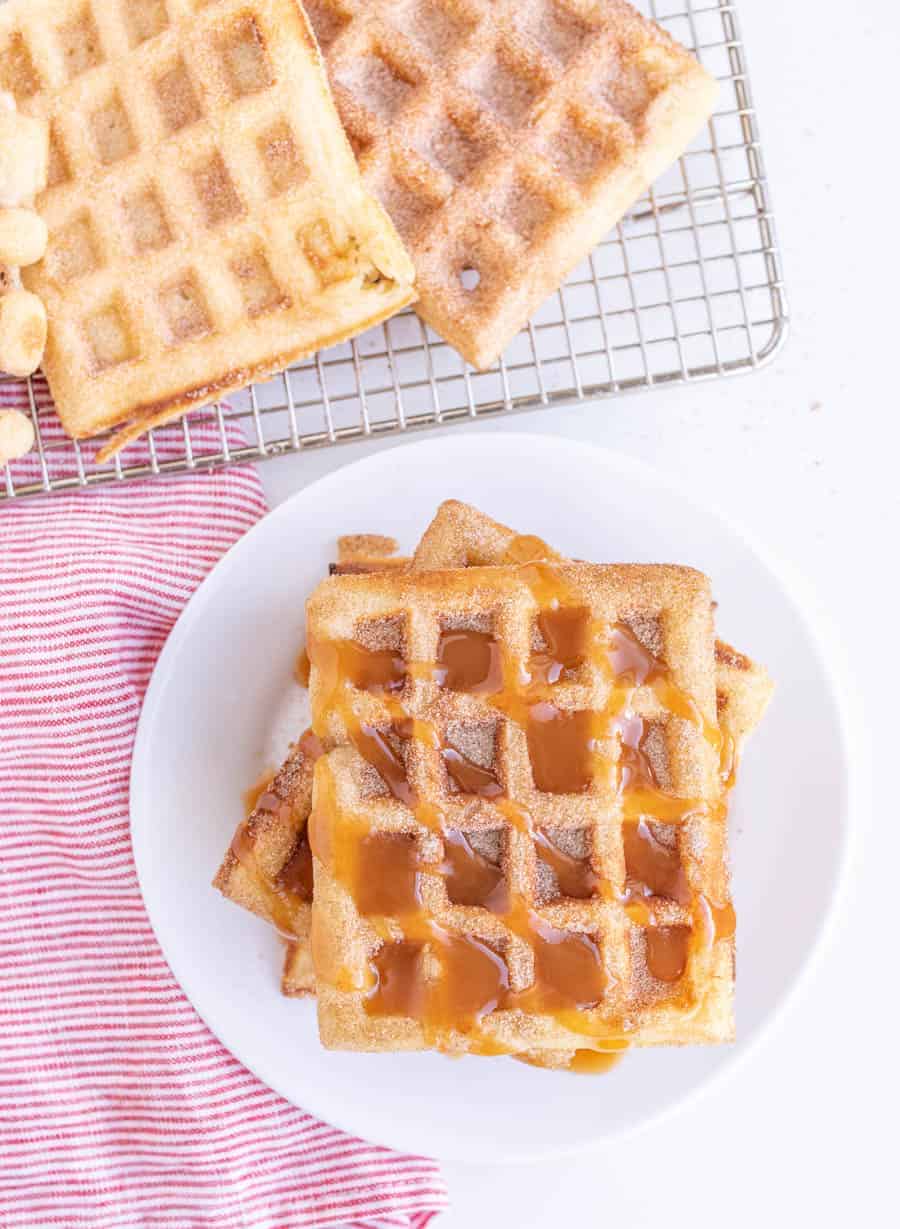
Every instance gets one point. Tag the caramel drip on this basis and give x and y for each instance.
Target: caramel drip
(293, 885)
(594, 1062)
(635, 769)
(379, 671)
(310, 745)
(568, 966)
(399, 988)
(471, 778)
(716, 921)
(471, 983)
(474, 981)
(560, 747)
(470, 878)
(258, 795)
(582, 1062)
(301, 669)
(526, 548)
(296, 876)
(569, 970)
(653, 868)
(386, 879)
(575, 876)
(565, 631)
(667, 951)
(281, 900)
(468, 661)
(632, 660)
(374, 747)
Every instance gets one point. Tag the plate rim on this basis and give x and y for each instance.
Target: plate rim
(824, 642)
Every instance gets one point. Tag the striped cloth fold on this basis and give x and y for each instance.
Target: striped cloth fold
(117, 1105)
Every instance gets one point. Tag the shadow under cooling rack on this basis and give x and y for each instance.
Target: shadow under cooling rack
(688, 287)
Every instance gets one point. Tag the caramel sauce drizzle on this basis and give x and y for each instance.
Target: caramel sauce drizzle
(468, 661)
(576, 877)
(295, 879)
(655, 869)
(594, 1062)
(667, 951)
(565, 632)
(582, 1062)
(387, 880)
(471, 778)
(470, 878)
(560, 747)
(301, 669)
(527, 548)
(252, 796)
(383, 871)
(293, 885)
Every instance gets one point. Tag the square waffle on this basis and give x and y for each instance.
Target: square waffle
(518, 832)
(506, 138)
(208, 224)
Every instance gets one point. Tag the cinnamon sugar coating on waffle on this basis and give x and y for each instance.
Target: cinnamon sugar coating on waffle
(518, 834)
(505, 138)
(267, 868)
(367, 552)
(208, 225)
(460, 535)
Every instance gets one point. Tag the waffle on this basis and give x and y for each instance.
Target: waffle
(208, 225)
(267, 868)
(367, 552)
(505, 138)
(505, 866)
(462, 536)
(459, 535)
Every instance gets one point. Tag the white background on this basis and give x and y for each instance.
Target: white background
(805, 455)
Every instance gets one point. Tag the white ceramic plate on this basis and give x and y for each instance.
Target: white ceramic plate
(217, 713)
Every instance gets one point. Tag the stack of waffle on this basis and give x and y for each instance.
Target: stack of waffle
(505, 832)
(209, 224)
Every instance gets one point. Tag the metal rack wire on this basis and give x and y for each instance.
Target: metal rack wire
(688, 287)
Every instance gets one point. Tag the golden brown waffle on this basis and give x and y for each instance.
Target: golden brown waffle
(459, 535)
(462, 536)
(518, 843)
(208, 223)
(267, 867)
(505, 138)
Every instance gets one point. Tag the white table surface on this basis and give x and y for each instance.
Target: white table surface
(805, 455)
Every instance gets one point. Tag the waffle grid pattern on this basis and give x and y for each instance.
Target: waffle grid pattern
(596, 816)
(173, 157)
(494, 133)
(688, 287)
(456, 532)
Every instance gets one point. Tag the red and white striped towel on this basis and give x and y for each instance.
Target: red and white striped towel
(117, 1105)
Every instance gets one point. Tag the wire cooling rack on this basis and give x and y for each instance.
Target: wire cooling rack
(688, 287)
